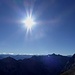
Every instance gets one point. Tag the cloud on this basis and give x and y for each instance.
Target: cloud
(4, 53)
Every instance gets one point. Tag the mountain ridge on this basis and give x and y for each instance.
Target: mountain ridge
(36, 65)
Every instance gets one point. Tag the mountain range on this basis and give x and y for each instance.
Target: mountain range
(37, 65)
(17, 57)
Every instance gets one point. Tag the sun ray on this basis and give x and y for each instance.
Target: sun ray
(29, 23)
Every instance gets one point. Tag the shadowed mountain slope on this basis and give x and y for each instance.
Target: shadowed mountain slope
(36, 65)
(70, 67)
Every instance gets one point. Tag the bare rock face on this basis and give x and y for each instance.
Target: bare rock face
(70, 67)
(69, 72)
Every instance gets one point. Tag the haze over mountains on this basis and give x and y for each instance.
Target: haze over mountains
(17, 57)
(23, 56)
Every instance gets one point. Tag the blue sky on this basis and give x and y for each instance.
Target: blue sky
(54, 31)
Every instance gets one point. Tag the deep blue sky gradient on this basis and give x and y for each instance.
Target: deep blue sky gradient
(53, 33)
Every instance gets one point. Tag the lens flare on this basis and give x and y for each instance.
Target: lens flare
(29, 23)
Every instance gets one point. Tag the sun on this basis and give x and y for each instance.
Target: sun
(29, 23)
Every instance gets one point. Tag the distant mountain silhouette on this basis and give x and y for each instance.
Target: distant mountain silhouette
(70, 67)
(36, 65)
(17, 57)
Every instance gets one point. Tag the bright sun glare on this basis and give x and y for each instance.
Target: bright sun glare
(29, 23)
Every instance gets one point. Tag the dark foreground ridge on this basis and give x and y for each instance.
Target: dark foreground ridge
(36, 65)
(69, 68)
